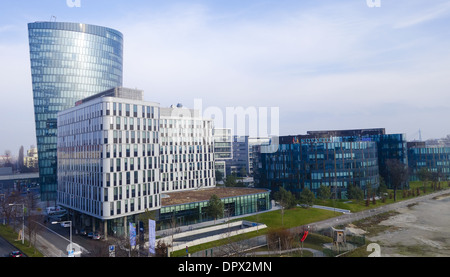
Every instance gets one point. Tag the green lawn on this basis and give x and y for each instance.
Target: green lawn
(10, 235)
(292, 217)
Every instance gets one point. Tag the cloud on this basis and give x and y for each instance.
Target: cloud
(423, 16)
(326, 66)
(333, 61)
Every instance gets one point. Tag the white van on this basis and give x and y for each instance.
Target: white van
(55, 210)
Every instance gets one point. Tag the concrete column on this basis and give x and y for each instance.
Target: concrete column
(105, 229)
(125, 226)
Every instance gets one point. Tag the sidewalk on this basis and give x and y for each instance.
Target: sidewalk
(316, 253)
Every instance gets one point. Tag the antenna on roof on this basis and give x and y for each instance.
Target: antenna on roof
(52, 18)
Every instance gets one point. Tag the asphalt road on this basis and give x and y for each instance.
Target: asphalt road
(6, 247)
(59, 237)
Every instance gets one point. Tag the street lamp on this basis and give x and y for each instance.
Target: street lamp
(23, 220)
(70, 233)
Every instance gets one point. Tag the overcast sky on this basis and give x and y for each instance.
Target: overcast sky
(321, 64)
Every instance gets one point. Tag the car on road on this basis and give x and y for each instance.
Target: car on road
(90, 234)
(16, 254)
(83, 232)
(65, 224)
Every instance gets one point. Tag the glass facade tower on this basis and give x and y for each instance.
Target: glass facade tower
(69, 62)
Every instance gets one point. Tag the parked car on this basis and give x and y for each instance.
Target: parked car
(90, 234)
(83, 232)
(16, 254)
(96, 236)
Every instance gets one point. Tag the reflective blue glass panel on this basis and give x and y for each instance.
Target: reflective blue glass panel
(69, 61)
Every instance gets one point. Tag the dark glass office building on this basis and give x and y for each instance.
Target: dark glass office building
(69, 62)
(389, 146)
(434, 158)
(332, 158)
(308, 163)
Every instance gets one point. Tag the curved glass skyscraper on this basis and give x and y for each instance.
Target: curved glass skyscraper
(69, 61)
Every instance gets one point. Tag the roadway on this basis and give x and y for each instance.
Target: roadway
(58, 238)
(53, 241)
(6, 247)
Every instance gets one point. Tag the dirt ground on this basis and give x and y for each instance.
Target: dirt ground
(420, 230)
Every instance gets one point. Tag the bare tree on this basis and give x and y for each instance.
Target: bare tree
(20, 159)
(34, 227)
(279, 239)
(398, 174)
(7, 160)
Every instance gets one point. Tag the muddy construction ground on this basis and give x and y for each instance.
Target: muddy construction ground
(420, 229)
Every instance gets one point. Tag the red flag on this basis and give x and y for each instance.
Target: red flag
(305, 234)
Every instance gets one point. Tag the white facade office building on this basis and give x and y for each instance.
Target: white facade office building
(117, 154)
(186, 150)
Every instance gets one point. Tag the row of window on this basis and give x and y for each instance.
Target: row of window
(83, 32)
(60, 44)
(40, 61)
(131, 110)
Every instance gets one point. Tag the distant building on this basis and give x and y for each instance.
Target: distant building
(31, 159)
(436, 159)
(242, 161)
(223, 149)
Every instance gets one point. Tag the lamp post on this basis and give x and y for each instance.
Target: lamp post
(70, 232)
(2, 198)
(23, 220)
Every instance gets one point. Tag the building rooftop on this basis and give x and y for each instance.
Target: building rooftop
(189, 196)
(118, 92)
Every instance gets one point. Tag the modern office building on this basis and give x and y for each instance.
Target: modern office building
(119, 155)
(301, 162)
(389, 146)
(186, 150)
(331, 158)
(69, 62)
(108, 159)
(436, 159)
